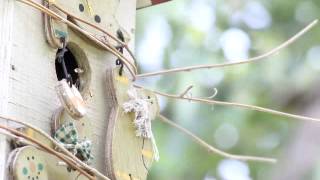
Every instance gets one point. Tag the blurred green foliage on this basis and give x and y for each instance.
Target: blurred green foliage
(189, 32)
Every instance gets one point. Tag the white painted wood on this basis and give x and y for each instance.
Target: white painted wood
(27, 90)
(6, 20)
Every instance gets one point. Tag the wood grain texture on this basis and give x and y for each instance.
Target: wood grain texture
(6, 25)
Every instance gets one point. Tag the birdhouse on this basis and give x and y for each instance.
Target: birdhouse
(62, 71)
(69, 108)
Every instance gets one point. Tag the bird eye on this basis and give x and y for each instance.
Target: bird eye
(81, 7)
(97, 18)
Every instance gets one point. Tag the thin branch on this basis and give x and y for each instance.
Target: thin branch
(212, 149)
(254, 59)
(186, 91)
(70, 162)
(59, 146)
(223, 103)
(107, 47)
(8, 134)
(215, 92)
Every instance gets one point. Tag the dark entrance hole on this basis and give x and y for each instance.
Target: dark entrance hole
(71, 65)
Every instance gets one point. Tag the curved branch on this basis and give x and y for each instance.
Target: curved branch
(223, 103)
(212, 149)
(254, 59)
(215, 92)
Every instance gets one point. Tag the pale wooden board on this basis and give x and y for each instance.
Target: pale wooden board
(30, 89)
(6, 25)
(6, 20)
(127, 156)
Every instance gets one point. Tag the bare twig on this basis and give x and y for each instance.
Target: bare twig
(215, 92)
(223, 103)
(59, 146)
(8, 134)
(107, 47)
(186, 91)
(213, 149)
(254, 59)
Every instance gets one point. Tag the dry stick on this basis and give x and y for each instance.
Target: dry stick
(98, 28)
(186, 91)
(215, 92)
(213, 149)
(223, 103)
(105, 46)
(6, 133)
(254, 59)
(63, 149)
(71, 163)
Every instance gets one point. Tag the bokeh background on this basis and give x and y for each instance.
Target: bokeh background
(191, 32)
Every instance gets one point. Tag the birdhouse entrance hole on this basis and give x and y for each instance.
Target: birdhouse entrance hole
(77, 65)
(71, 66)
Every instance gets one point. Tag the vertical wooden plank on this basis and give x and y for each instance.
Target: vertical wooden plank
(6, 20)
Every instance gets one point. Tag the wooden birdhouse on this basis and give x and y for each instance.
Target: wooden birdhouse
(61, 72)
(69, 108)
